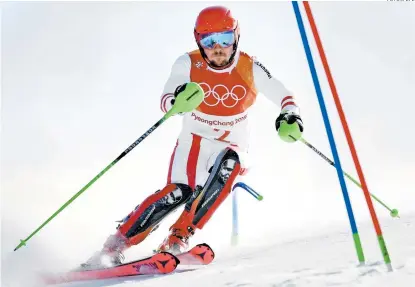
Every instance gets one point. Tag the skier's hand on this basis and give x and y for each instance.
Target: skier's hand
(289, 126)
(187, 97)
(178, 90)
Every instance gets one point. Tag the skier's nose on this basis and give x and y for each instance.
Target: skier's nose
(217, 47)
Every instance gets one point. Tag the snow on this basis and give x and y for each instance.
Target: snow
(81, 82)
(325, 259)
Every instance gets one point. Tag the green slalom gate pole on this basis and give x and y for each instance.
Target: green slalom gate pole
(393, 212)
(186, 101)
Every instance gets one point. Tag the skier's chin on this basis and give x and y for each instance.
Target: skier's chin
(220, 61)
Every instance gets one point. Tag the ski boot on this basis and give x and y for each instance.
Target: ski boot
(110, 255)
(176, 242)
(180, 232)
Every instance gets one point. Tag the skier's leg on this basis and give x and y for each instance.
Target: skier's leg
(204, 201)
(152, 210)
(140, 223)
(146, 216)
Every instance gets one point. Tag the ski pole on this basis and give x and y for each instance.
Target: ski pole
(187, 101)
(393, 212)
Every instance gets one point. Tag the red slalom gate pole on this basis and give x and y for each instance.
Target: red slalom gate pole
(349, 138)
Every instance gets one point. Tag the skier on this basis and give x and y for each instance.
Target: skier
(213, 142)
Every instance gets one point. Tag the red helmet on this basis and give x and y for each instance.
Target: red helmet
(216, 19)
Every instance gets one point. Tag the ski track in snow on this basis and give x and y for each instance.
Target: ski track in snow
(328, 259)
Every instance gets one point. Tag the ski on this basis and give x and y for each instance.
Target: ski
(200, 254)
(160, 263)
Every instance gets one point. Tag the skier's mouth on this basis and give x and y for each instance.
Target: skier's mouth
(219, 60)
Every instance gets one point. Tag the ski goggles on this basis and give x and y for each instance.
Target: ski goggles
(224, 39)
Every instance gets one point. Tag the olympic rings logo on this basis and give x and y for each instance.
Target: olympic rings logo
(221, 94)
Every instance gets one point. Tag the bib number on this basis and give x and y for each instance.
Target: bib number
(223, 137)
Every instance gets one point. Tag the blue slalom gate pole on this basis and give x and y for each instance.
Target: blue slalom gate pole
(235, 219)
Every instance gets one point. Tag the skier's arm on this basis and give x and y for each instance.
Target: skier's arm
(179, 75)
(289, 123)
(273, 89)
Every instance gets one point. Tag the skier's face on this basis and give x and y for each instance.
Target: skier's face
(218, 55)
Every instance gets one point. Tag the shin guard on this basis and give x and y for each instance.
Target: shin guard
(146, 217)
(206, 200)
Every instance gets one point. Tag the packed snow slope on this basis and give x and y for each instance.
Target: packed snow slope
(326, 259)
(310, 258)
(82, 81)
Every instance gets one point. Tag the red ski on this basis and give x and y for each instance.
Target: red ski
(201, 254)
(160, 263)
